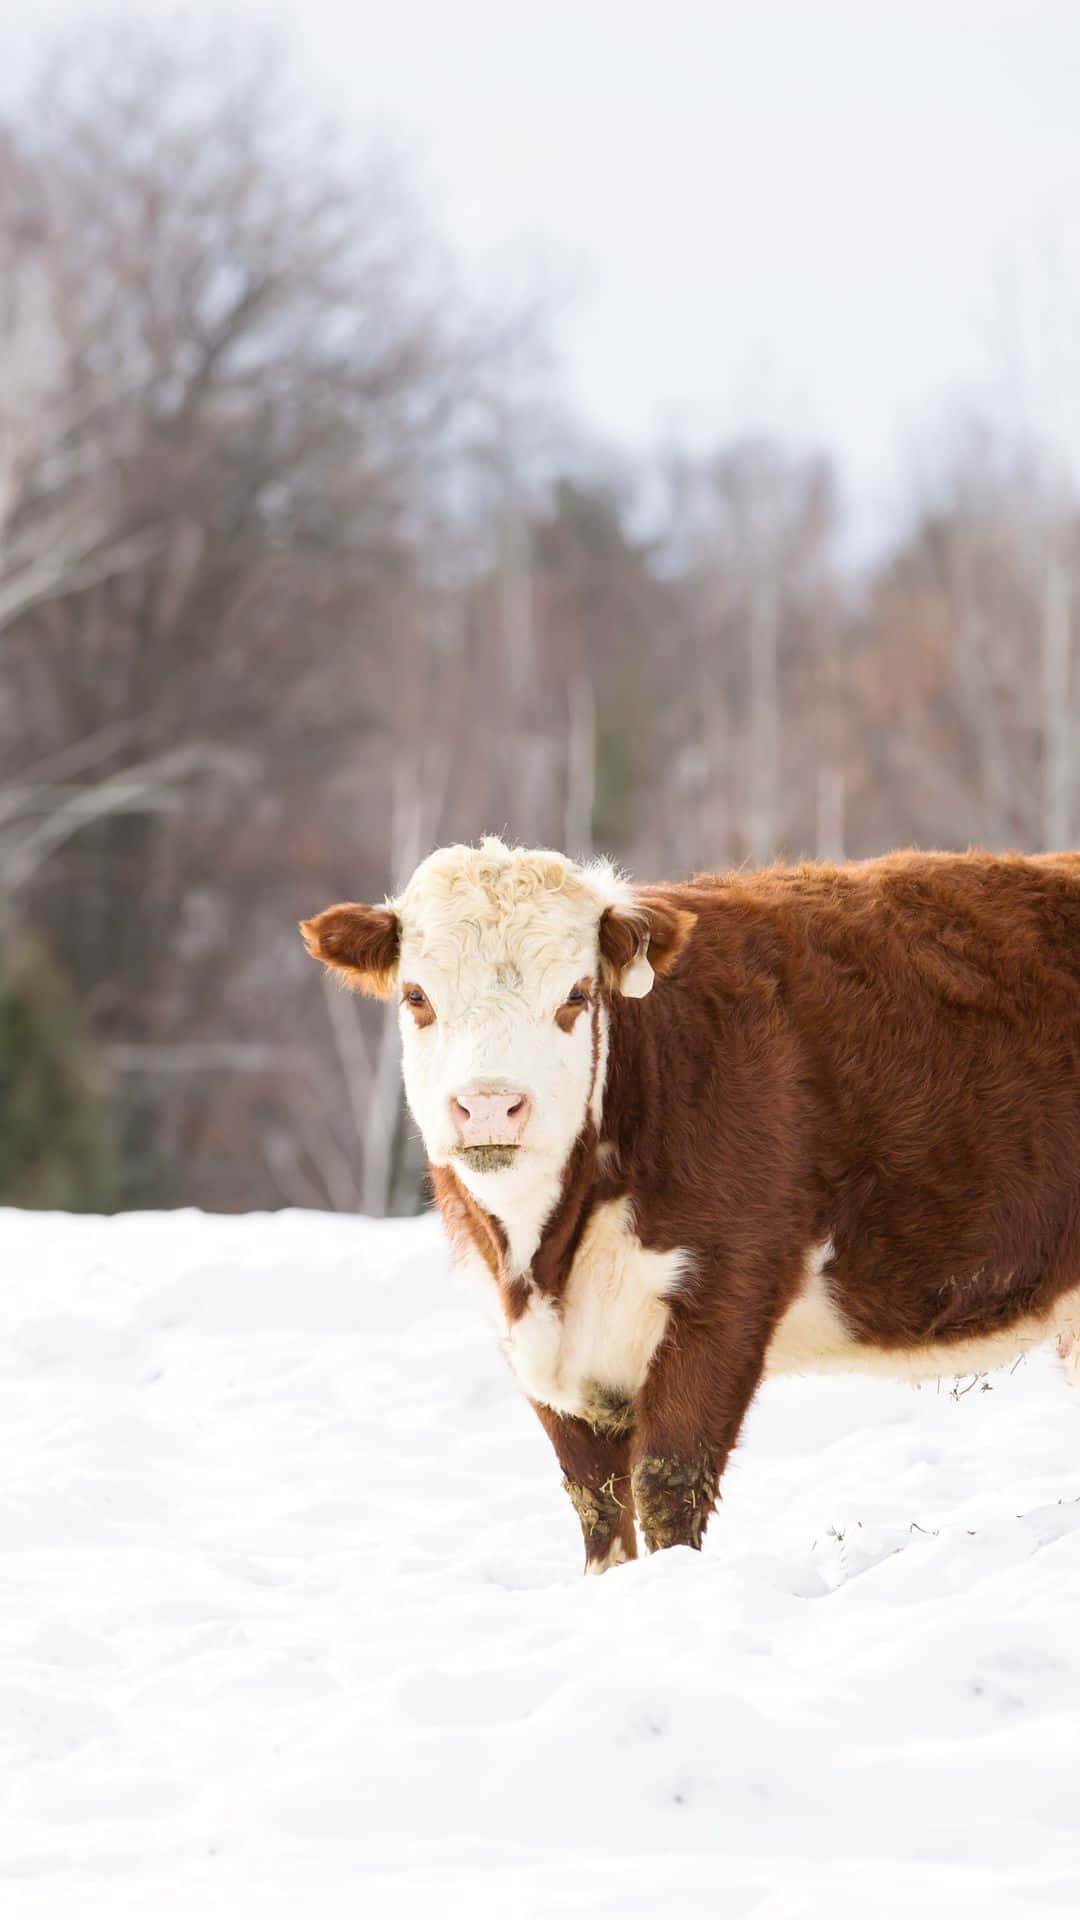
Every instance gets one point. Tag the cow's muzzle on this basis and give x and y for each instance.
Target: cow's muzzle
(489, 1117)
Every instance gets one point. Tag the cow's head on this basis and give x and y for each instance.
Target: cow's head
(502, 960)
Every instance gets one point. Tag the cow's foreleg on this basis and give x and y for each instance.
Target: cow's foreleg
(595, 1460)
(688, 1417)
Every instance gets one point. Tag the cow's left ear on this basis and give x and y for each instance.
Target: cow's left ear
(358, 943)
(638, 944)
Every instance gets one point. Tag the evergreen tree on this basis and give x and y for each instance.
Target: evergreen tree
(57, 1142)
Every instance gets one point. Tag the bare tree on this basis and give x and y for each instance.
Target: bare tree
(255, 392)
(750, 541)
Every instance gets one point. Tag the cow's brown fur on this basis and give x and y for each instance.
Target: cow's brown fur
(883, 1055)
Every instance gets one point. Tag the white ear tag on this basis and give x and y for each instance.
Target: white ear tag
(636, 980)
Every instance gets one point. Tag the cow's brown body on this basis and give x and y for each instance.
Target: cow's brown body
(860, 1083)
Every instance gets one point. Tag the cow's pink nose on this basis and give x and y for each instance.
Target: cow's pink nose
(490, 1116)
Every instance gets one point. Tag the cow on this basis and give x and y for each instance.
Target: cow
(685, 1136)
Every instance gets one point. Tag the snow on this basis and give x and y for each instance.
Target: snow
(292, 1615)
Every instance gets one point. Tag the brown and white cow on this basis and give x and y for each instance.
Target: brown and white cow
(797, 1119)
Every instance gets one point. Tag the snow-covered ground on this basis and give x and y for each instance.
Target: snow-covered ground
(292, 1619)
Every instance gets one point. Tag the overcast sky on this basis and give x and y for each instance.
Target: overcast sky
(832, 219)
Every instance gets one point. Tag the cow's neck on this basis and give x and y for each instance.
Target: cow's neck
(525, 1246)
(549, 1261)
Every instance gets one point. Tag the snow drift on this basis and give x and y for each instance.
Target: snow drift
(293, 1617)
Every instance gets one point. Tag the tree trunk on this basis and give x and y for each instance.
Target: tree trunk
(1057, 728)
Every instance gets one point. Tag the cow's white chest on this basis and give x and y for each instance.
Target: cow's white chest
(599, 1340)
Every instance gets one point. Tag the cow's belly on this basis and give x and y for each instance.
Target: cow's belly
(813, 1338)
(589, 1353)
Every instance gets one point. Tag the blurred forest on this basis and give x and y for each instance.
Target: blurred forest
(304, 570)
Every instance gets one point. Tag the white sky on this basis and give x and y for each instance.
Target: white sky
(831, 219)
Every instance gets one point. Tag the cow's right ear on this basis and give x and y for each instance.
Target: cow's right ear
(360, 944)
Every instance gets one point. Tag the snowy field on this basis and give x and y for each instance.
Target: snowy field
(292, 1620)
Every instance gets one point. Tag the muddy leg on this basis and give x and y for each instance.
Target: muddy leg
(674, 1494)
(688, 1419)
(596, 1469)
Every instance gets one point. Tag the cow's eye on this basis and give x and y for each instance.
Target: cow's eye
(415, 997)
(576, 997)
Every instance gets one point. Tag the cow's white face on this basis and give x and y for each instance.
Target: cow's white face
(499, 957)
(499, 972)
